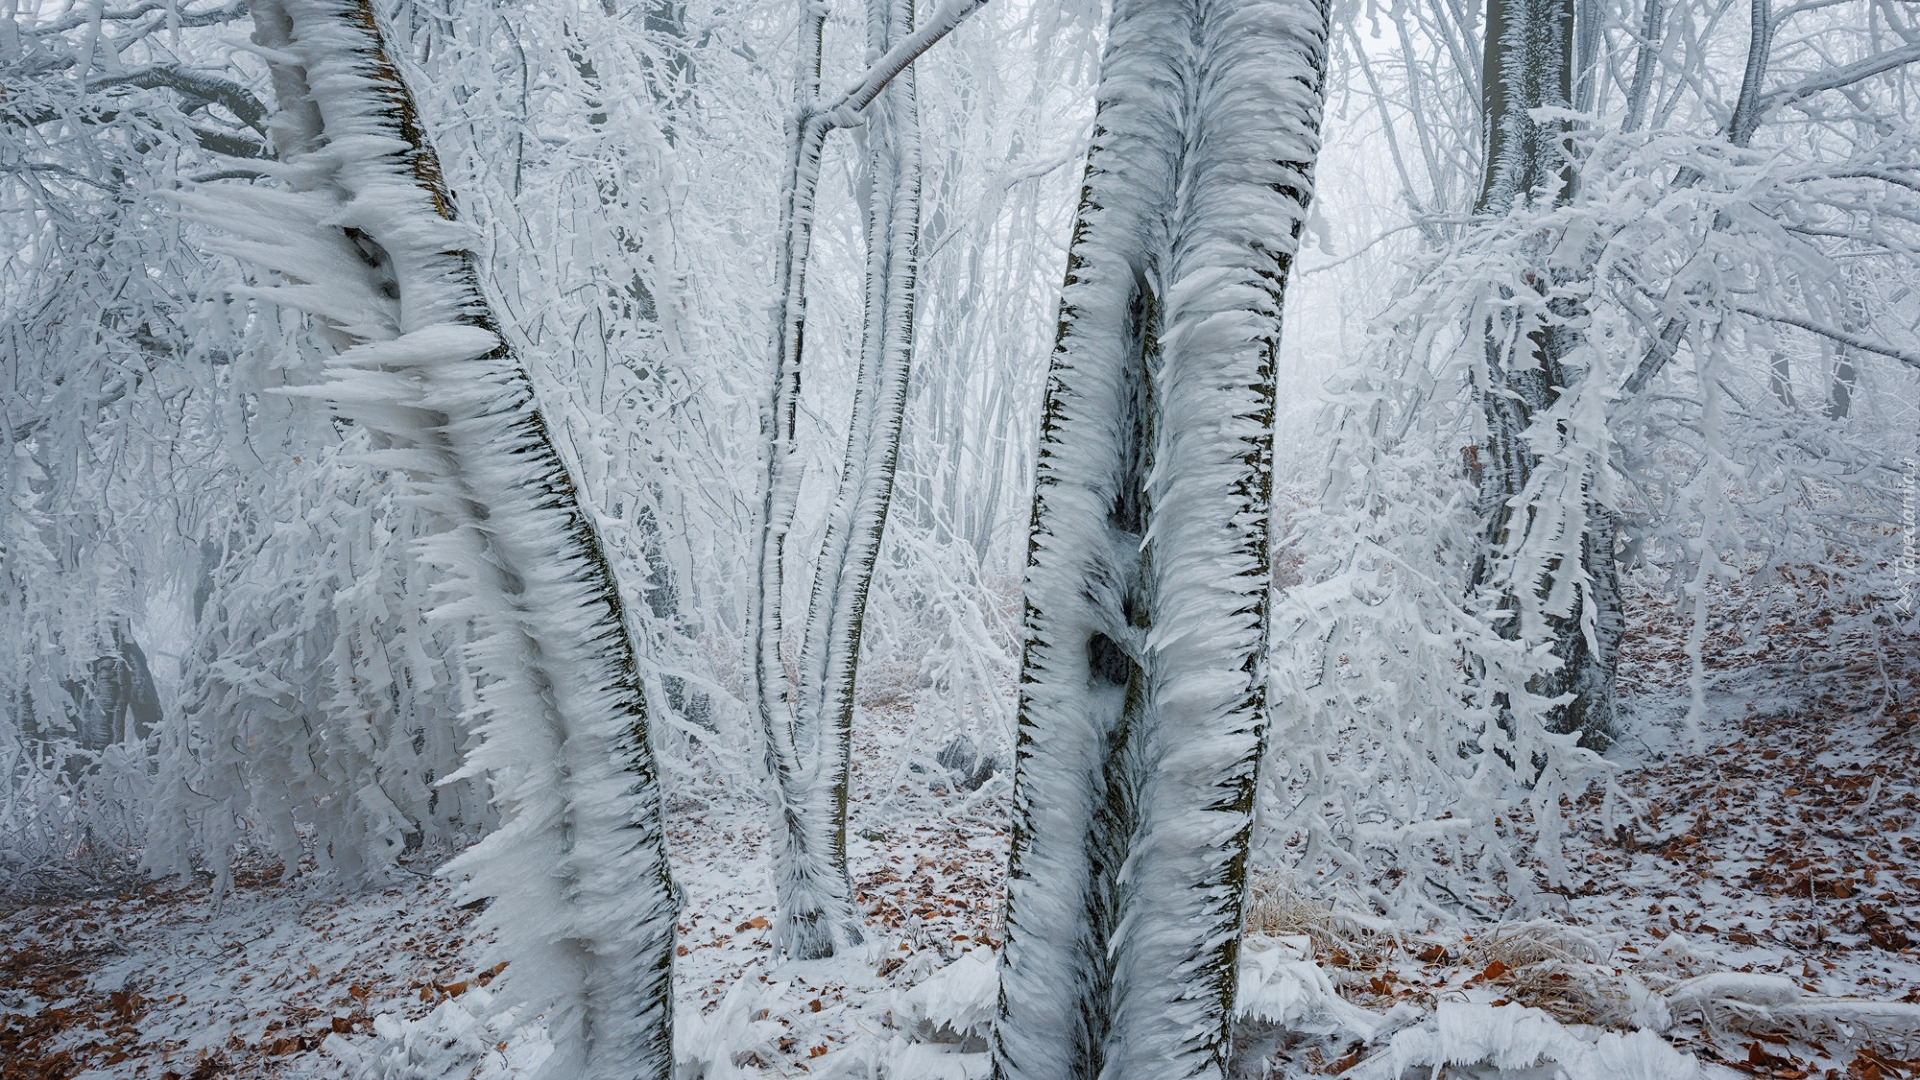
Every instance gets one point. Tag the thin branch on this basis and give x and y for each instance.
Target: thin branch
(1841, 76)
(1752, 103)
(226, 13)
(1843, 337)
(1887, 176)
(226, 145)
(1801, 9)
(1423, 224)
(1662, 350)
(846, 111)
(235, 98)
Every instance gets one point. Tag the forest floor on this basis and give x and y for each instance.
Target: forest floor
(1765, 903)
(1760, 906)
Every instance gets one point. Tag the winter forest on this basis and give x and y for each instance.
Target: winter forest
(947, 539)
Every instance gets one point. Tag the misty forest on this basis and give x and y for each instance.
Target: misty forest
(948, 539)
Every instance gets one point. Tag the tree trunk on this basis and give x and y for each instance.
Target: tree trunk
(1780, 380)
(1529, 65)
(1143, 687)
(1856, 320)
(365, 235)
(1653, 21)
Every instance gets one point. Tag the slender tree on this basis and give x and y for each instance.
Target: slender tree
(807, 722)
(1143, 687)
(830, 650)
(365, 238)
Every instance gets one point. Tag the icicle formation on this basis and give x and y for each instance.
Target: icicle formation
(1143, 694)
(364, 234)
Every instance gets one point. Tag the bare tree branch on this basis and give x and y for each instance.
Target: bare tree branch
(1843, 337)
(846, 111)
(228, 13)
(1841, 76)
(231, 96)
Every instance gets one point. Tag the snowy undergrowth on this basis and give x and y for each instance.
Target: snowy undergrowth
(257, 985)
(1779, 858)
(1755, 911)
(1597, 990)
(927, 858)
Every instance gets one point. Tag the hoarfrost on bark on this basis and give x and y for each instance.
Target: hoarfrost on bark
(582, 901)
(1143, 691)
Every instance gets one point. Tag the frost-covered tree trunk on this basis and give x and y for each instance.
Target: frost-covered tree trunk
(1529, 65)
(1855, 320)
(807, 724)
(1143, 687)
(813, 910)
(830, 652)
(365, 236)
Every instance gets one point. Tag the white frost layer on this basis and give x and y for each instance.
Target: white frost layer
(1754, 1000)
(955, 1004)
(718, 1045)
(1281, 985)
(1143, 686)
(1513, 1042)
(464, 1038)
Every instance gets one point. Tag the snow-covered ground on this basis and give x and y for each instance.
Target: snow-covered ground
(165, 980)
(1761, 917)
(294, 978)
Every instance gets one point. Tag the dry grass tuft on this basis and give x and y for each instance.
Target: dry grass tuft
(1340, 939)
(1553, 968)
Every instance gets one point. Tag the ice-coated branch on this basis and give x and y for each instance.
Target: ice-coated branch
(1749, 108)
(1845, 75)
(1658, 354)
(1885, 176)
(1843, 337)
(211, 16)
(235, 98)
(846, 111)
(1752, 104)
(1646, 52)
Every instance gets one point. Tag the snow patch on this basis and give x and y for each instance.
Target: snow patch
(1282, 986)
(955, 1005)
(1517, 1043)
(464, 1038)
